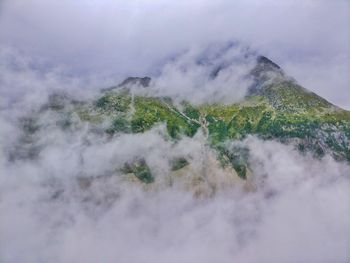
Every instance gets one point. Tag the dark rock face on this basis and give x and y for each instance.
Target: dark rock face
(143, 82)
(131, 81)
(264, 71)
(267, 63)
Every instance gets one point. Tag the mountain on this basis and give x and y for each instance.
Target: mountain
(275, 107)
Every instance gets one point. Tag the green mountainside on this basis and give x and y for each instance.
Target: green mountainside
(275, 108)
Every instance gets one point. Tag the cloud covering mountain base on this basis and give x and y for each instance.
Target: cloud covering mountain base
(298, 205)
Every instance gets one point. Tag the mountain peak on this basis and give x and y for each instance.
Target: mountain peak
(265, 69)
(264, 61)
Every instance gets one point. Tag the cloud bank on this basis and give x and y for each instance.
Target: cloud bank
(300, 206)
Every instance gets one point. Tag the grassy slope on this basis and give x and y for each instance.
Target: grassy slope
(283, 111)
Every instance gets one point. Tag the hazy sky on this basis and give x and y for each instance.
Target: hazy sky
(310, 39)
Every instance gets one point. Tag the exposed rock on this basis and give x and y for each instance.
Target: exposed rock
(131, 81)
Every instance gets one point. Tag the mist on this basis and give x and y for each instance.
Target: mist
(63, 197)
(299, 205)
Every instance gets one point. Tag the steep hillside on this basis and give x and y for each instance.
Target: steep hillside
(275, 108)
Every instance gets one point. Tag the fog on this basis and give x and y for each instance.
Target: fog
(71, 203)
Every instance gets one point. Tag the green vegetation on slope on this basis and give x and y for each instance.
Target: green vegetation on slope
(281, 111)
(140, 169)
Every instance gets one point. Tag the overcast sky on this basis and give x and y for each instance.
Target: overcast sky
(309, 39)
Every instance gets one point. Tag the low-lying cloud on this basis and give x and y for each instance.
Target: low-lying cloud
(299, 206)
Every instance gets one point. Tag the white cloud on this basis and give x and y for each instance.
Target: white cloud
(300, 207)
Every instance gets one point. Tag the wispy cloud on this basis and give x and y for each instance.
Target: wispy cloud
(116, 38)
